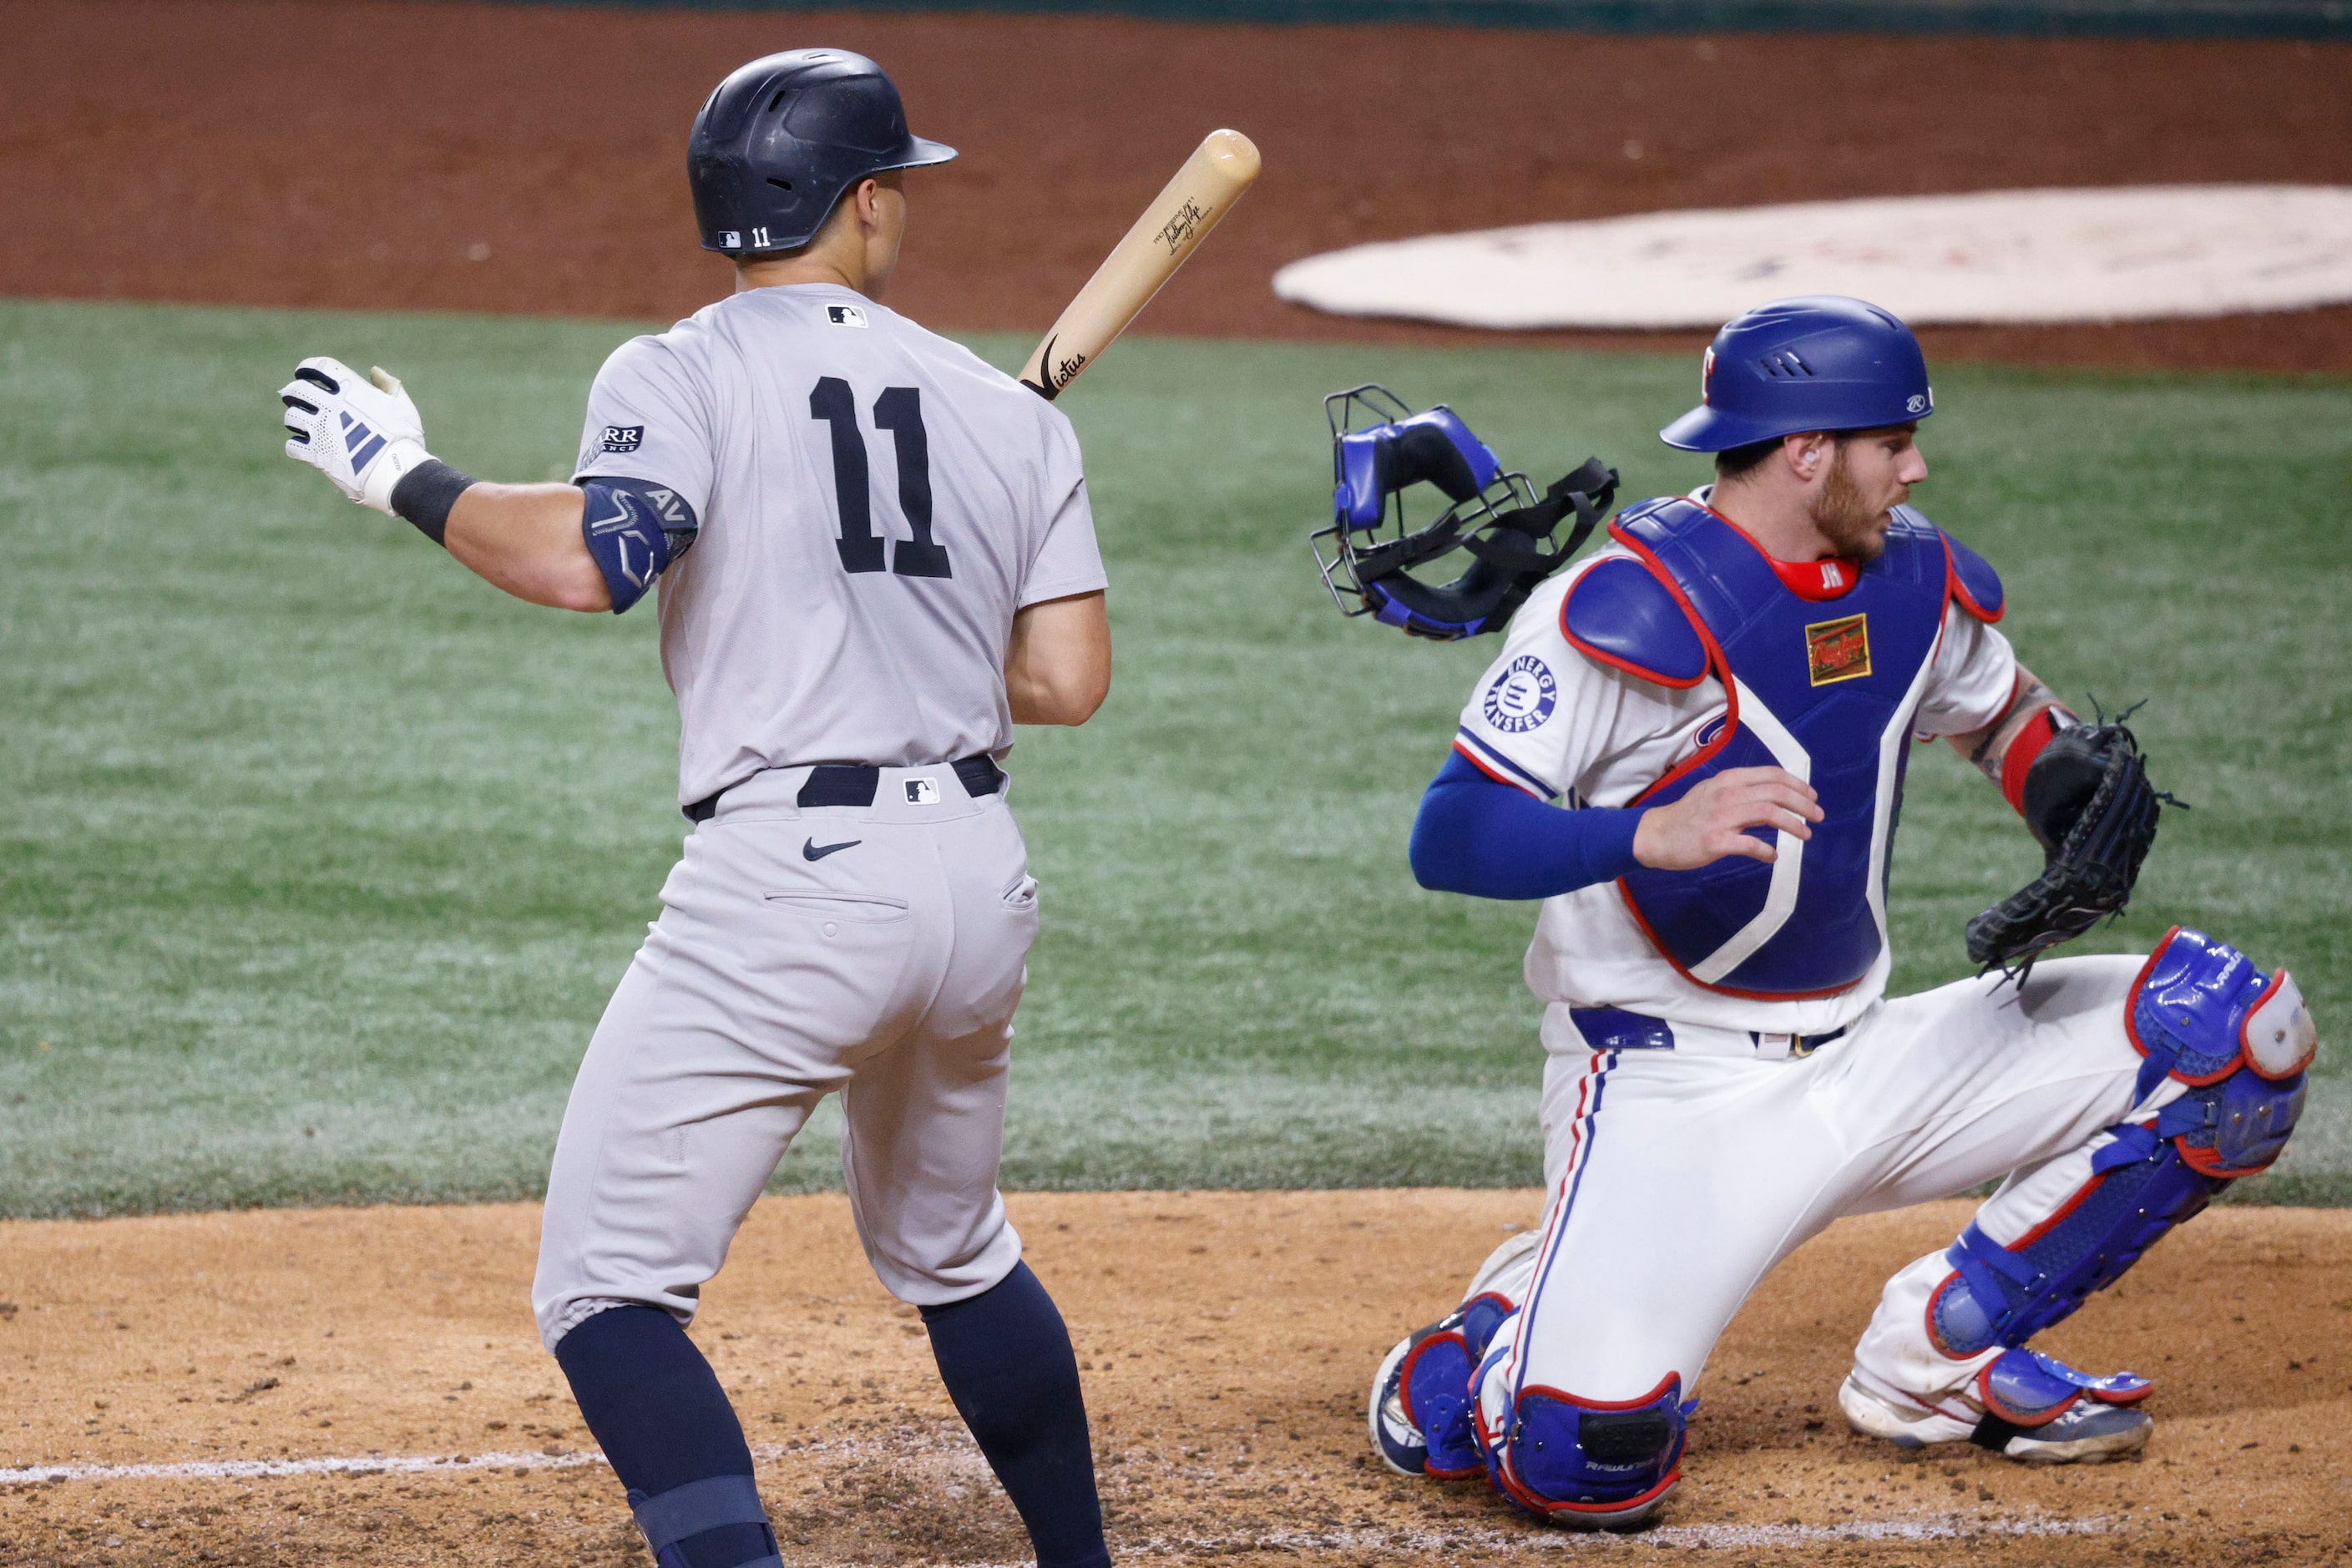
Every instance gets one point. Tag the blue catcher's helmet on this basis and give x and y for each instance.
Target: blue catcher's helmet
(1492, 513)
(781, 139)
(1820, 362)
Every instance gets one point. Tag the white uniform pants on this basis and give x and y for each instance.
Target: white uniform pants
(886, 969)
(1679, 1177)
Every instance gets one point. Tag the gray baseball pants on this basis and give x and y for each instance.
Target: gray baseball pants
(886, 969)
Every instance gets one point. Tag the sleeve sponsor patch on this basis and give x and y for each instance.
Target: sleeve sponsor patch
(1522, 697)
(620, 438)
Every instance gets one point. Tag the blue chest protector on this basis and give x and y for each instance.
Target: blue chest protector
(1825, 689)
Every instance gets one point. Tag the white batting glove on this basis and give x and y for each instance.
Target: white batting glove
(362, 434)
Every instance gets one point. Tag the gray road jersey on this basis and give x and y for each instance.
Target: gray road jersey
(875, 502)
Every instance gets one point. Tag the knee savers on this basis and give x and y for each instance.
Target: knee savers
(1578, 1461)
(2239, 1040)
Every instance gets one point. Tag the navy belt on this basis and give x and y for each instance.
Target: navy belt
(855, 783)
(1614, 1029)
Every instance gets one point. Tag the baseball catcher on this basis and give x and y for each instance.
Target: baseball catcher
(1724, 700)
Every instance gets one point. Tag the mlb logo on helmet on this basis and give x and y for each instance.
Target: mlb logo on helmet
(1707, 374)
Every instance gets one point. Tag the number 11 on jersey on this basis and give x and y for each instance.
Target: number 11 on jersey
(898, 410)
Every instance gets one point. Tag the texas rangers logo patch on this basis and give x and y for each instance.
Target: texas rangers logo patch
(620, 438)
(1522, 697)
(1839, 650)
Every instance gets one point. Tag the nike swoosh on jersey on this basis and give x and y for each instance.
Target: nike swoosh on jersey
(814, 851)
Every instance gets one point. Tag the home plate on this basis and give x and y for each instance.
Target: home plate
(2131, 253)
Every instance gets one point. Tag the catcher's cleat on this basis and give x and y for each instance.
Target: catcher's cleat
(1419, 1412)
(1420, 1409)
(2085, 1433)
(2024, 1406)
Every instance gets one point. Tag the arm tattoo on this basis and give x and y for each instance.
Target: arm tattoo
(2030, 700)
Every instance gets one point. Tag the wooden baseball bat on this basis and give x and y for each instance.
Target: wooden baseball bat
(1211, 181)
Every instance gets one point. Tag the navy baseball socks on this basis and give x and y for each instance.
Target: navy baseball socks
(1005, 1357)
(658, 1411)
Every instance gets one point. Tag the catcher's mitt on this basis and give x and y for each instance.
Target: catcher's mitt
(2088, 800)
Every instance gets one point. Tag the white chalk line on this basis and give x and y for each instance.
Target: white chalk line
(257, 1469)
(349, 1464)
(1468, 1537)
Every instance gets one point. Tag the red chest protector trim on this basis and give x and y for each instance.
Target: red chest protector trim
(1825, 689)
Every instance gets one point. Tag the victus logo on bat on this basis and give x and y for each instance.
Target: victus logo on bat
(1054, 375)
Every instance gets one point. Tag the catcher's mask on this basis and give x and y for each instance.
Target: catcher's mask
(1380, 448)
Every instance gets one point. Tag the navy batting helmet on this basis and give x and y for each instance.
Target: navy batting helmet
(780, 140)
(1822, 362)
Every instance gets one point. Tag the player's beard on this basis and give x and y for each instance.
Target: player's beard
(1848, 521)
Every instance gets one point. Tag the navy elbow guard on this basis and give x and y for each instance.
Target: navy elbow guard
(634, 529)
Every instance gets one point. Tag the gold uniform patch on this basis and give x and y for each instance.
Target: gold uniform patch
(1839, 650)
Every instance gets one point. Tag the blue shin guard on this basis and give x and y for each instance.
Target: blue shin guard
(2139, 1188)
(1595, 1463)
(2025, 1389)
(2239, 1040)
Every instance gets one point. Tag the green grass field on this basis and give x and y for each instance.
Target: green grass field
(318, 857)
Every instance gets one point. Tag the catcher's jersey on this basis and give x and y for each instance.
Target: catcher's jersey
(874, 504)
(1560, 724)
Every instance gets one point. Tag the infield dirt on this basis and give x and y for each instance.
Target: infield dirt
(371, 156)
(1227, 1340)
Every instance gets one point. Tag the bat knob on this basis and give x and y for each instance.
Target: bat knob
(1235, 153)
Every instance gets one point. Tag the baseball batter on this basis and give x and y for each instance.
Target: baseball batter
(874, 556)
(1725, 699)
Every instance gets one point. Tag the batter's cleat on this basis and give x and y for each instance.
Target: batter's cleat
(2025, 1405)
